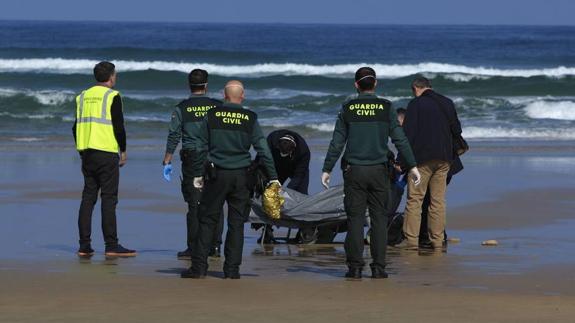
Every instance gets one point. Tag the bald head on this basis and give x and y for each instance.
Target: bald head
(234, 92)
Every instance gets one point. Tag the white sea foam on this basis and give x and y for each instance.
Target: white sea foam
(281, 93)
(490, 132)
(558, 110)
(44, 97)
(459, 77)
(40, 116)
(27, 139)
(324, 126)
(517, 133)
(61, 65)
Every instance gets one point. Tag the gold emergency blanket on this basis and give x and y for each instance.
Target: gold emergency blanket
(272, 201)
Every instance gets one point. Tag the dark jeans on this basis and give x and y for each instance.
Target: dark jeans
(423, 232)
(192, 196)
(366, 187)
(101, 173)
(229, 186)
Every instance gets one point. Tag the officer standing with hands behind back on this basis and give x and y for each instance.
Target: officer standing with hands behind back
(226, 136)
(185, 125)
(363, 126)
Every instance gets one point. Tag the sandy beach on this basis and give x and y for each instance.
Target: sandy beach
(528, 277)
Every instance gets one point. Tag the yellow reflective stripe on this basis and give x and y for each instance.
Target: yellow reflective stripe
(105, 103)
(81, 104)
(102, 119)
(95, 120)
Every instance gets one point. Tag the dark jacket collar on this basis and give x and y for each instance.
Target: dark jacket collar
(428, 92)
(232, 105)
(366, 95)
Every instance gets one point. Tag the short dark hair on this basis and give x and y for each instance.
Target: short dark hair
(198, 79)
(401, 111)
(103, 71)
(421, 82)
(286, 144)
(365, 78)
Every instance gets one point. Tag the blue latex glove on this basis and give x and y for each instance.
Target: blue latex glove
(402, 182)
(168, 172)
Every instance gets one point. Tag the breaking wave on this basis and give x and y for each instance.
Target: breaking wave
(461, 72)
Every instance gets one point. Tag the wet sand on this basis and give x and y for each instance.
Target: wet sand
(97, 297)
(529, 276)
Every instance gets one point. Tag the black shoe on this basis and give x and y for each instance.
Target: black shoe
(186, 254)
(267, 236)
(214, 252)
(353, 273)
(232, 275)
(85, 251)
(193, 273)
(120, 251)
(377, 273)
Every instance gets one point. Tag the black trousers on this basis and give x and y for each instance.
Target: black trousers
(366, 187)
(192, 196)
(228, 186)
(101, 173)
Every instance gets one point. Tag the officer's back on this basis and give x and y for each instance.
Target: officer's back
(226, 136)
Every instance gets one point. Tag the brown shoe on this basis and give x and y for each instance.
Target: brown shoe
(404, 245)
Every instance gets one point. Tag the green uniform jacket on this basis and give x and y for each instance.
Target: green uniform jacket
(226, 136)
(186, 121)
(363, 127)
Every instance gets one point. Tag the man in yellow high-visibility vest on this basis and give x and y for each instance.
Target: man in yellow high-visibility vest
(101, 141)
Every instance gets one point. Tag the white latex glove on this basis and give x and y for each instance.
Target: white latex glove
(198, 182)
(415, 175)
(325, 179)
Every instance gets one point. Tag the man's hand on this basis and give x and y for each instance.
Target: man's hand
(397, 168)
(415, 175)
(123, 158)
(199, 182)
(325, 179)
(167, 172)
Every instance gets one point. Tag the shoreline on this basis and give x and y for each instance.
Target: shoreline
(523, 200)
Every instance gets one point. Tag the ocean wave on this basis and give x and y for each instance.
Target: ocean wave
(558, 110)
(517, 133)
(323, 127)
(27, 139)
(61, 65)
(44, 97)
(489, 132)
(39, 116)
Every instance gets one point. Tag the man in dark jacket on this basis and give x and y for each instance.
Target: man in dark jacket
(456, 167)
(291, 158)
(430, 123)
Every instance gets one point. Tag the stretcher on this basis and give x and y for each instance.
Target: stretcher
(322, 213)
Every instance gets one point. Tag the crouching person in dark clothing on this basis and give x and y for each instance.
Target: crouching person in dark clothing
(291, 159)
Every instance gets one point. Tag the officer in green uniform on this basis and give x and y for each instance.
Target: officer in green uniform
(185, 125)
(225, 139)
(101, 141)
(363, 126)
